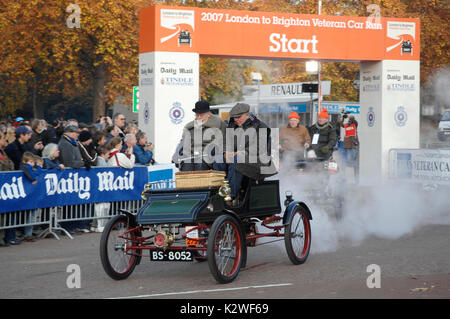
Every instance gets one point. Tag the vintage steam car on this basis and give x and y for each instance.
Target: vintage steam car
(196, 223)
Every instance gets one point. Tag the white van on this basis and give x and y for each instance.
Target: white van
(444, 126)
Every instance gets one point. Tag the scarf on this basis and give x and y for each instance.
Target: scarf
(70, 140)
(113, 153)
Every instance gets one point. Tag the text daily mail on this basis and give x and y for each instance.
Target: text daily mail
(74, 183)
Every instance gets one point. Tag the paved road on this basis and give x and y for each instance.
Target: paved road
(415, 265)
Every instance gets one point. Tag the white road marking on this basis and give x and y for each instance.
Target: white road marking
(202, 291)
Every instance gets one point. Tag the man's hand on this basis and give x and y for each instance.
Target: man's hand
(229, 157)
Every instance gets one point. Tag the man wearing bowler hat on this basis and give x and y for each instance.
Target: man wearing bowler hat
(202, 141)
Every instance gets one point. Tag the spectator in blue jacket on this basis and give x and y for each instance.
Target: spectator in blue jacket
(28, 167)
(143, 150)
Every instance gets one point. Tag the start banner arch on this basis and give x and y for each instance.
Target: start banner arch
(250, 34)
(171, 40)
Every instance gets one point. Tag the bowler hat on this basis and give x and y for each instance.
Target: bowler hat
(201, 107)
(239, 109)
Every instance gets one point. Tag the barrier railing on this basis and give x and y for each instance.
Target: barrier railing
(55, 215)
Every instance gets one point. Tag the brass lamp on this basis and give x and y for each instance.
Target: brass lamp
(146, 188)
(225, 190)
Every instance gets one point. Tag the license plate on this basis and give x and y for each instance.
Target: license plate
(171, 255)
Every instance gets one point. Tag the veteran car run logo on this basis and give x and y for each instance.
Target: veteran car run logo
(176, 113)
(400, 116)
(404, 34)
(178, 21)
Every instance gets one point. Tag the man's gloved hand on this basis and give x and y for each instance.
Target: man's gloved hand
(325, 149)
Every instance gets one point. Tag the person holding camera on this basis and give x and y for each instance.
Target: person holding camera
(103, 122)
(143, 151)
(351, 142)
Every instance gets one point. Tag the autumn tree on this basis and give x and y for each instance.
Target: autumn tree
(44, 53)
(44, 62)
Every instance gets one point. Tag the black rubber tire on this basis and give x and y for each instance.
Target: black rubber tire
(119, 220)
(228, 224)
(298, 218)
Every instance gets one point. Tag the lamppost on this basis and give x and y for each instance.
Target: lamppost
(313, 68)
(257, 78)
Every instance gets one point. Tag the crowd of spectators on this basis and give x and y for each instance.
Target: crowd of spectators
(69, 144)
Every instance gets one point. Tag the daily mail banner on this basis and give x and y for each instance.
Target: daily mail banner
(71, 187)
(277, 35)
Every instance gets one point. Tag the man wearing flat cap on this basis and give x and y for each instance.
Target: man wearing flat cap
(244, 154)
(197, 148)
(69, 153)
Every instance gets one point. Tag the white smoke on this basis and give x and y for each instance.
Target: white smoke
(441, 81)
(435, 99)
(390, 211)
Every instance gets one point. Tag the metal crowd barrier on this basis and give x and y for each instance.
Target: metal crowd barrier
(54, 216)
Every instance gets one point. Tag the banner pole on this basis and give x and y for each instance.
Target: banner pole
(319, 66)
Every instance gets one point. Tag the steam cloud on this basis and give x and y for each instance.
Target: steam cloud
(390, 211)
(435, 98)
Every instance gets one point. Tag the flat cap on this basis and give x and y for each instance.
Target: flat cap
(239, 109)
(71, 128)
